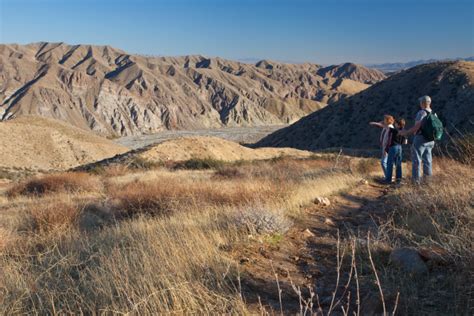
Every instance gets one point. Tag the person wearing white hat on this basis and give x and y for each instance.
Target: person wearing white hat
(421, 148)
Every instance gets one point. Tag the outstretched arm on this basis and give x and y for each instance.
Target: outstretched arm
(377, 124)
(412, 130)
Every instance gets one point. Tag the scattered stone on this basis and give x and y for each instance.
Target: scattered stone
(284, 273)
(294, 258)
(225, 247)
(409, 260)
(322, 201)
(264, 252)
(329, 221)
(244, 260)
(307, 233)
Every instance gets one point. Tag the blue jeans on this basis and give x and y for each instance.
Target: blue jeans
(383, 163)
(394, 157)
(421, 153)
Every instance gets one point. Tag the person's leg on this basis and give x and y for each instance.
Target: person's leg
(398, 163)
(416, 157)
(383, 163)
(390, 161)
(427, 159)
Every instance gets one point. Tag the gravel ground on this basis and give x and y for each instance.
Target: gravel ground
(236, 134)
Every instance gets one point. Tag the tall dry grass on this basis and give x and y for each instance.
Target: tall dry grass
(142, 266)
(70, 182)
(162, 252)
(437, 219)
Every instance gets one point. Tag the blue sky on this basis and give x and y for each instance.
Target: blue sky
(321, 31)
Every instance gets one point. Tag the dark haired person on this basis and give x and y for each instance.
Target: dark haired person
(394, 151)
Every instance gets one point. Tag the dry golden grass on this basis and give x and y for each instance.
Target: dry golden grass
(62, 182)
(436, 218)
(53, 216)
(141, 266)
(142, 262)
(439, 213)
(168, 195)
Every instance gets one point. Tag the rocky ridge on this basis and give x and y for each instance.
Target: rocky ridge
(114, 93)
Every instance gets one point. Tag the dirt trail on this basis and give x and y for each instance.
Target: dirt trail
(306, 257)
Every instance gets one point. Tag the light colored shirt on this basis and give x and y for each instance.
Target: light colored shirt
(420, 116)
(384, 136)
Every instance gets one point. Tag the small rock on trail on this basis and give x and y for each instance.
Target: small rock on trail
(322, 201)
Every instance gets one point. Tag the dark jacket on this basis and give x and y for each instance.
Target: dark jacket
(394, 138)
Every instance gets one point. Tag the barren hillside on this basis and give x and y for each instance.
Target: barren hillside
(200, 147)
(114, 93)
(345, 123)
(43, 144)
(353, 72)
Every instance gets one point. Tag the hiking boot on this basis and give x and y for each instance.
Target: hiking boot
(383, 181)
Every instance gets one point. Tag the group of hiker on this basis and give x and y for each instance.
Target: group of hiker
(426, 130)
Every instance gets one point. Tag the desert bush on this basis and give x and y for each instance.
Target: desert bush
(260, 220)
(158, 199)
(106, 171)
(169, 195)
(201, 164)
(228, 173)
(139, 163)
(96, 169)
(62, 182)
(57, 215)
(6, 174)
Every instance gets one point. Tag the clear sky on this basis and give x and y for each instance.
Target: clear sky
(321, 31)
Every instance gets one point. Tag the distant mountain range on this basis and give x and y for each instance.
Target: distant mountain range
(114, 93)
(394, 67)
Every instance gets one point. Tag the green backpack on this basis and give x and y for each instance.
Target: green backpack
(432, 127)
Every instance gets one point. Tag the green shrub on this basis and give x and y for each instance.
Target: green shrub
(139, 163)
(201, 164)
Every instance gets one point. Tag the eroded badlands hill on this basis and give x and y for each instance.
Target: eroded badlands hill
(115, 93)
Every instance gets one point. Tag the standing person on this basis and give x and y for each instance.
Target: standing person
(386, 124)
(427, 129)
(395, 152)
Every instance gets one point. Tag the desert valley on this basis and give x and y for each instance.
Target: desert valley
(133, 184)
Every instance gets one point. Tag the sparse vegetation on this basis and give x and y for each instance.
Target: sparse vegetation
(258, 220)
(139, 163)
(228, 173)
(201, 164)
(460, 148)
(64, 249)
(53, 183)
(436, 219)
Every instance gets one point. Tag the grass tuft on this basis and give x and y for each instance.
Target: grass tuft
(70, 182)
